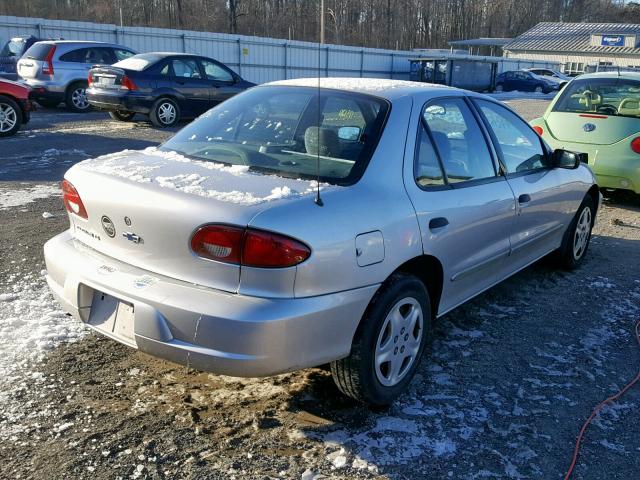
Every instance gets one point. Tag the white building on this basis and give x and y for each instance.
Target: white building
(579, 47)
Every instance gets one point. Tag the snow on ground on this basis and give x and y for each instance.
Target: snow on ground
(16, 197)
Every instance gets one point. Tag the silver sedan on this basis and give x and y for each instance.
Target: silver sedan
(299, 224)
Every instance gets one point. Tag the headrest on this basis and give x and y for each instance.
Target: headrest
(323, 141)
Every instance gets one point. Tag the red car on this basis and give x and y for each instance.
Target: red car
(15, 106)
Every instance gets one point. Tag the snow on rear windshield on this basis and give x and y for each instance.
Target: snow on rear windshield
(137, 62)
(274, 129)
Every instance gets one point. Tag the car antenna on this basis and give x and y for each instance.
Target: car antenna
(318, 201)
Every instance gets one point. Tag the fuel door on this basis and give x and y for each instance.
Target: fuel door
(369, 248)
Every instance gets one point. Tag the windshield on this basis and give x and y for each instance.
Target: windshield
(13, 48)
(274, 129)
(137, 62)
(606, 96)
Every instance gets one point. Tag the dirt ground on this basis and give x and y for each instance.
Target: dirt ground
(502, 393)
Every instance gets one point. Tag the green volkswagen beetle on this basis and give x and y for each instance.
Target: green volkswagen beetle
(599, 114)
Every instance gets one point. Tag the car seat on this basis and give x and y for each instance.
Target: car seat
(629, 106)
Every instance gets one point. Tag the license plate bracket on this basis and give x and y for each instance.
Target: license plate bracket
(113, 317)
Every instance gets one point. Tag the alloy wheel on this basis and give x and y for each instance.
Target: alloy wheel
(79, 99)
(167, 113)
(8, 117)
(581, 235)
(398, 342)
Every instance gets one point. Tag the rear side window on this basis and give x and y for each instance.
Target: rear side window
(89, 55)
(606, 96)
(38, 51)
(427, 169)
(185, 68)
(519, 145)
(75, 56)
(458, 139)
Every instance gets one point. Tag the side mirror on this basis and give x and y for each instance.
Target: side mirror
(350, 134)
(566, 159)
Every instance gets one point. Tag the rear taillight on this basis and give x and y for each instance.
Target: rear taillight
(538, 130)
(47, 68)
(128, 84)
(90, 79)
(249, 247)
(72, 201)
(635, 145)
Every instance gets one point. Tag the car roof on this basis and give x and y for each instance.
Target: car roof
(170, 54)
(623, 74)
(73, 42)
(380, 87)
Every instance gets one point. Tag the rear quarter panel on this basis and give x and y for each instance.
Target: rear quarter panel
(378, 202)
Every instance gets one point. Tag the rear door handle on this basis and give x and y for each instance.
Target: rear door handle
(438, 222)
(524, 198)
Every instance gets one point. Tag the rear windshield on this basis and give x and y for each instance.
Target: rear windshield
(137, 62)
(38, 51)
(274, 129)
(606, 96)
(13, 48)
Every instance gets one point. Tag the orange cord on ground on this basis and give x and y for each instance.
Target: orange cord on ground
(612, 398)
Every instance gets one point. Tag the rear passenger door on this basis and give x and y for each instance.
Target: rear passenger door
(222, 83)
(546, 198)
(464, 207)
(189, 81)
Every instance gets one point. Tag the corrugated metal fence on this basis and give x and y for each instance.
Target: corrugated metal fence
(254, 58)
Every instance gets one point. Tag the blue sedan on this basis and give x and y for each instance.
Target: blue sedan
(165, 86)
(524, 81)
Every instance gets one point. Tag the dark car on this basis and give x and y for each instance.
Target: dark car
(11, 52)
(524, 81)
(165, 86)
(15, 106)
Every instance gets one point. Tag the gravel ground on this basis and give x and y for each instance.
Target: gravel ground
(508, 382)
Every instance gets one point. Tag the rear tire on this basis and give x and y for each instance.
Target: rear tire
(76, 98)
(122, 116)
(10, 117)
(388, 344)
(164, 113)
(539, 89)
(576, 239)
(499, 88)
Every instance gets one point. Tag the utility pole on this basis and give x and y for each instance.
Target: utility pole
(322, 21)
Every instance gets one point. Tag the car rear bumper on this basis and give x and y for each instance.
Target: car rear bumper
(207, 329)
(117, 100)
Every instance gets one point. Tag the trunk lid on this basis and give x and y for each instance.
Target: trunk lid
(590, 128)
(107, 77)
(161, 198)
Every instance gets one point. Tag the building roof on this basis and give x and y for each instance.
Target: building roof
(480, 42)
(572, 37)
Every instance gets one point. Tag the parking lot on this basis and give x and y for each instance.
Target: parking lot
(508, 382)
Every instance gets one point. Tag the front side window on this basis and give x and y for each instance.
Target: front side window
(275, 130)
(459, 141)
(185, 68)
(606, 96)
(213, 71)
(520, 147)
(122, 54)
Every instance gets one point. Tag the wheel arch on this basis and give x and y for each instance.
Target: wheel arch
(594, 192)
(428, 269)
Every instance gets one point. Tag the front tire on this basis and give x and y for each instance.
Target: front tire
(388, 344)
(10, 117)
(76, 98)
(576, 240)
(165, 113)
(499, 88)
(122, 115)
